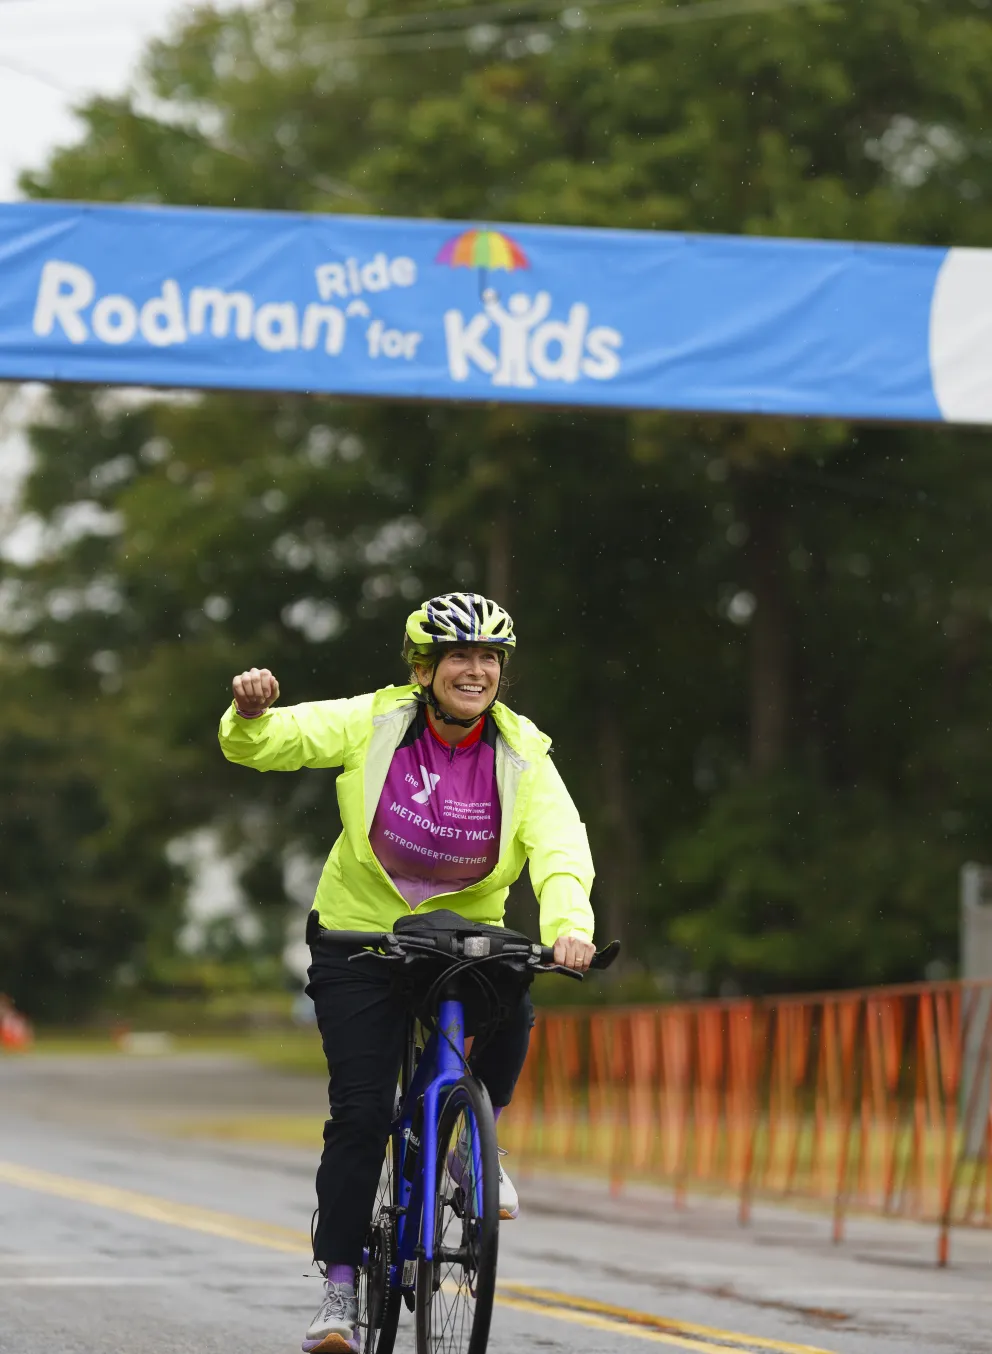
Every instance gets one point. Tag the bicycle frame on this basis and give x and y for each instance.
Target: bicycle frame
(441, 1065)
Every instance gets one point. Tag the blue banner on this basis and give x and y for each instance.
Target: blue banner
(530, 314)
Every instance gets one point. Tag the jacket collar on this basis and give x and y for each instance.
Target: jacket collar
(522, 736)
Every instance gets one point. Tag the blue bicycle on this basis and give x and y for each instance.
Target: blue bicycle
(433, 1238)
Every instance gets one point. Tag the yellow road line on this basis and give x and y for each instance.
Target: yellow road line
(630, 1317)
(516, 1296)
(193, 1218)
(592, 1322)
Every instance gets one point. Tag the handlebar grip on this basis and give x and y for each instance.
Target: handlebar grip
(601, 960)
(351, 939)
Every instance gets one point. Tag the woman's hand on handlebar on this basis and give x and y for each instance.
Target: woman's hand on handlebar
(254, 691)
(574, 952)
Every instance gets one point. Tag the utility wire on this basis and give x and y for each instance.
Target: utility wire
(323, 183)
(702, 11)
(31, 73)
(698, 13)
(364, 40)
(486, 36)
(466, 16)
(489, 23)
(570, 19)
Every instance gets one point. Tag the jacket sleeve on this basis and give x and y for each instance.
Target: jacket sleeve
(558, 855)
(288, 738)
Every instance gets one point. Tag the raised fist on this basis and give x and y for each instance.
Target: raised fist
(254, 691)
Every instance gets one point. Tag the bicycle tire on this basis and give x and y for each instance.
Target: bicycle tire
(453, 1295)
(378, 1302)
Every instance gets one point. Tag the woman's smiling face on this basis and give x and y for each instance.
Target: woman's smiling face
(466, 679)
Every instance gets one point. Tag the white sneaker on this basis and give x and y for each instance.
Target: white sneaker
(509, 1204)
(334, 1329)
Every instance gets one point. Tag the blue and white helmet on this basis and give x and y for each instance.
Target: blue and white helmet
(457, 618)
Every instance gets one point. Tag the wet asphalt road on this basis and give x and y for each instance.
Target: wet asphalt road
(116, 1234)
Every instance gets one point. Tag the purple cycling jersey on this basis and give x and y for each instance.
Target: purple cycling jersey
(436, 827)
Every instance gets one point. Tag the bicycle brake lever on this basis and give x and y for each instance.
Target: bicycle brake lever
(560, 968)
(606, 955)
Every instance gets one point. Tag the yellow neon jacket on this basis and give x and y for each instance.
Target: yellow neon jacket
(540, 825)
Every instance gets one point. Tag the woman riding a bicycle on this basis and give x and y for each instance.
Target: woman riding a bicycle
(445, 794)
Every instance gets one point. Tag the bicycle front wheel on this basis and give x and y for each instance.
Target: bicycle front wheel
(455, 1290)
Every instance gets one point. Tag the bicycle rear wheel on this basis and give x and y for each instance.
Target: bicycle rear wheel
(378, 1301)
(455, 1290)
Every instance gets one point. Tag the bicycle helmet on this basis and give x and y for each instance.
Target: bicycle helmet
(456, 618)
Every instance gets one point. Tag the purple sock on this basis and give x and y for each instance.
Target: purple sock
(497, 1112)
(341, 1274)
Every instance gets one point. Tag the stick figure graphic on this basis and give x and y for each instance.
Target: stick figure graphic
(515, 322)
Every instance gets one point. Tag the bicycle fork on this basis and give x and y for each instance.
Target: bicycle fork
(450, 1068)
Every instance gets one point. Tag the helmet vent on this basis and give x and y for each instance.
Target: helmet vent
(460, 618)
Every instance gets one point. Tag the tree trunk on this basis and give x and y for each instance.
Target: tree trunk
(771, 675)
(499, 563)
(618, 859)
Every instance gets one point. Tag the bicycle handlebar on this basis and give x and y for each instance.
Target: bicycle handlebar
(537, 956)
(353, 939)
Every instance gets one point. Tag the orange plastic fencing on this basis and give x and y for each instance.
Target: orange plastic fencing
(15, 1030)
(872, 1101)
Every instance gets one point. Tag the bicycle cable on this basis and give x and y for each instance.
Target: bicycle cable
(469, 967)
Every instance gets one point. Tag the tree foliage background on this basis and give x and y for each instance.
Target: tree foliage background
(761, 647)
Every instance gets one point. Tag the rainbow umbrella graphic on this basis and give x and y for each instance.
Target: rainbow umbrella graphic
(487, 250)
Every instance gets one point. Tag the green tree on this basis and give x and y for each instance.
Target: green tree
(758, 645)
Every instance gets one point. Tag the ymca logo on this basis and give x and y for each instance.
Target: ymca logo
(430, 783)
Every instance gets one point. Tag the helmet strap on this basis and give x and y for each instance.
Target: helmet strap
(427, 697)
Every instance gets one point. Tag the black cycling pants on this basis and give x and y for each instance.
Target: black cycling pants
(362, 1022)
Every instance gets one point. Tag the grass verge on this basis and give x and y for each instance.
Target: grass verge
(295, 1051)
